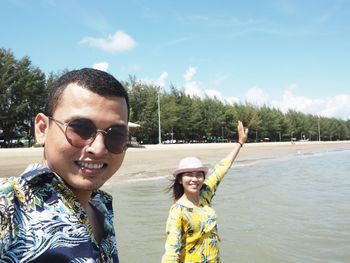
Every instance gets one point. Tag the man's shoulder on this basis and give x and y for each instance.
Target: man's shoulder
(7, 185)
(8, 188)
(13, 185)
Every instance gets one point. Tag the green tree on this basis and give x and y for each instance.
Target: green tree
(144, 109)
(23, 93)
(170, 114)
(52, 77)
(271, 126)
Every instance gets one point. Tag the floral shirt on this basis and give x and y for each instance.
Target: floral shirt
(192, 234)
(42, 221)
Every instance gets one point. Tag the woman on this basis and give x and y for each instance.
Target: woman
(191, 227)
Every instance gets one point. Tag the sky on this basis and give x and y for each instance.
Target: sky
(280, 53)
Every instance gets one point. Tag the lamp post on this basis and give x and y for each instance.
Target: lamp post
(159, 128)
(172, 134)
(319, 129)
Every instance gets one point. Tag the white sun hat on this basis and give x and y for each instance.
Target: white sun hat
(190, 164)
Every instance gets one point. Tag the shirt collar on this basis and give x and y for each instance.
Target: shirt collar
(36, 169)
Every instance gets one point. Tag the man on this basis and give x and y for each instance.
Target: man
(55, 212)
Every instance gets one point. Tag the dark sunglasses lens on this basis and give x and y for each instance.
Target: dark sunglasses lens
(80, 131)
(116, 139)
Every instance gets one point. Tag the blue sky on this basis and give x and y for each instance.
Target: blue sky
(286, 54)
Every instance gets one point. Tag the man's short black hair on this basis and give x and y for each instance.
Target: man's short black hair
(97, 81)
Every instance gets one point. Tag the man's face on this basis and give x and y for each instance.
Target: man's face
(89, 167)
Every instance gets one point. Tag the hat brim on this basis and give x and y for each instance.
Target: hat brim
(203, 169)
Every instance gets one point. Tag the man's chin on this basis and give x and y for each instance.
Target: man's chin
(85, 186)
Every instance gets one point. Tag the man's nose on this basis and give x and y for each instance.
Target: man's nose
(98, 146)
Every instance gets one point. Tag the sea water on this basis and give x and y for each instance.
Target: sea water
(288, 209)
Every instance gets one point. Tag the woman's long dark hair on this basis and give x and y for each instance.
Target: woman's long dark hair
(176, 188)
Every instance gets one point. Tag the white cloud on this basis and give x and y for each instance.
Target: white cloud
(192, 87)
(195, 88)
(337, 106)
(212, 93)
(232, 100)
(161, 81)
(190, 73)
(298, 103)
(101, 66)
(256, 96)
(119, 42)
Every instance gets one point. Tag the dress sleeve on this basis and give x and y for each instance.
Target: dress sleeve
(213, 180)
(174, 243)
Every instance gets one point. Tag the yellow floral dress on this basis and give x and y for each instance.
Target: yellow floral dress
(192, 235)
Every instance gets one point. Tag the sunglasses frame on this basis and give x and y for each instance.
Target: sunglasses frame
(92, 138)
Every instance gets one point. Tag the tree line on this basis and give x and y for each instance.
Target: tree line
(192, 119)
(24, 88)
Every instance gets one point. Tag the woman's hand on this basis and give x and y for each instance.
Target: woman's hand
(242, 133)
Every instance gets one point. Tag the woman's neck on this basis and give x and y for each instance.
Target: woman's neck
(189, 201)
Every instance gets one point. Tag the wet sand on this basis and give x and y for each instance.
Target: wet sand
(158, 160)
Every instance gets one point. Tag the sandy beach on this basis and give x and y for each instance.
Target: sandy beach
(157, 160)
(274, 191)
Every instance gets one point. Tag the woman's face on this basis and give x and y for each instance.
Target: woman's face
(192, 182)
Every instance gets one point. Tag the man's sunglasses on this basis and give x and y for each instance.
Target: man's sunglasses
(82, 132)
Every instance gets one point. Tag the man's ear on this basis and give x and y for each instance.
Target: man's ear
(41, 127)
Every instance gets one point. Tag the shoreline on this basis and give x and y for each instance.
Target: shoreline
(160, 160)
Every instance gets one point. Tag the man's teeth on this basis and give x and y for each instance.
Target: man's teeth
(91, 165)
